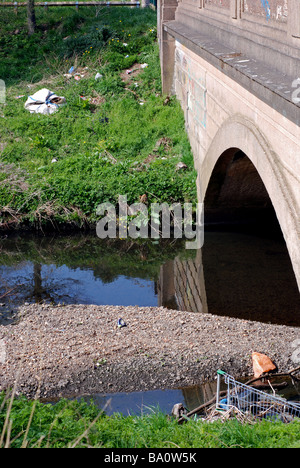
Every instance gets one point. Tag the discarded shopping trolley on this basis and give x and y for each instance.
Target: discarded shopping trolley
(248, 400)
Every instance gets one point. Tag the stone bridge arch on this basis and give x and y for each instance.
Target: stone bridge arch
(239, 133)
(235, 72)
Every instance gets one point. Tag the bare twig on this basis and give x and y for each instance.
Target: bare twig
(9, 292)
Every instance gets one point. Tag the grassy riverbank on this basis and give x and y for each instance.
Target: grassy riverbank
(74, 424)
(115, 135)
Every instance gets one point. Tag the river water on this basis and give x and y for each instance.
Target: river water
(237, 274)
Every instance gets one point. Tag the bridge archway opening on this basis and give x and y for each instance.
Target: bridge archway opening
(237, 198)
(247, 268)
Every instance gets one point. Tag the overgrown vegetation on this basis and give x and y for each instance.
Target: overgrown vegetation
(115, 135)
(77, 424)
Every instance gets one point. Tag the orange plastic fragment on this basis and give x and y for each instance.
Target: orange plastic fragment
(262, 364)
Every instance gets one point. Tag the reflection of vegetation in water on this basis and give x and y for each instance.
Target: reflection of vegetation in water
(106, 259)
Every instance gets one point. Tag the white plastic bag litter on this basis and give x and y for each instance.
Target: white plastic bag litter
(44, 102)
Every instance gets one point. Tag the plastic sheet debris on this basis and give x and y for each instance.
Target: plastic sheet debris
(44, 102)
(179, 411)
(180, 166)
(98, 76)
(262, 364)
(121, 323)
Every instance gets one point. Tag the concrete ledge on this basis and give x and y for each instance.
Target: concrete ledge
(269, 85)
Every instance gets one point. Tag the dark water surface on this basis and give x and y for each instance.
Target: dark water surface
(234, 274)
(138, 403)
(81, 270)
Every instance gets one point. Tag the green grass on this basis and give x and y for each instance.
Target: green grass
(76, 424)
(102, 142)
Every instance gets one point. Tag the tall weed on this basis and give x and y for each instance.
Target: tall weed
(25, 423)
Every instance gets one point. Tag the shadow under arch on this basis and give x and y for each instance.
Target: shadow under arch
(236, 194)
(240, 136)
(247, 268)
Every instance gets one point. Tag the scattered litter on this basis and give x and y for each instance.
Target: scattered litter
(98, 76)
(180, 166)
(127, 56)
(100, 362)
(164, 142)
(77, 75)
(103, 120)
(262, 364)
(254, 403)
(44, 102)
(108, 157)
(54, 160)
(179, 411)
(84, 98)
(244, 402)
(21, 95)
(125, 44)
(121, 323)
(144, 65)
(143, 198)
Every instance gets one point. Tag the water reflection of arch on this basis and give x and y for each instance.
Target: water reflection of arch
(196, 396)
(235, 274)
(181, 285)
(240, 132)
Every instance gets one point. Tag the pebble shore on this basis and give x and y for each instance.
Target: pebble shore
(55, 351)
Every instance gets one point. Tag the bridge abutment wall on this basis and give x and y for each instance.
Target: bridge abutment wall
(239, 92)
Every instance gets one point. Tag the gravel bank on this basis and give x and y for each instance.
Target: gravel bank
(78, 349)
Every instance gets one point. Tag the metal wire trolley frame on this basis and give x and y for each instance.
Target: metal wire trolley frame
(254, 402)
